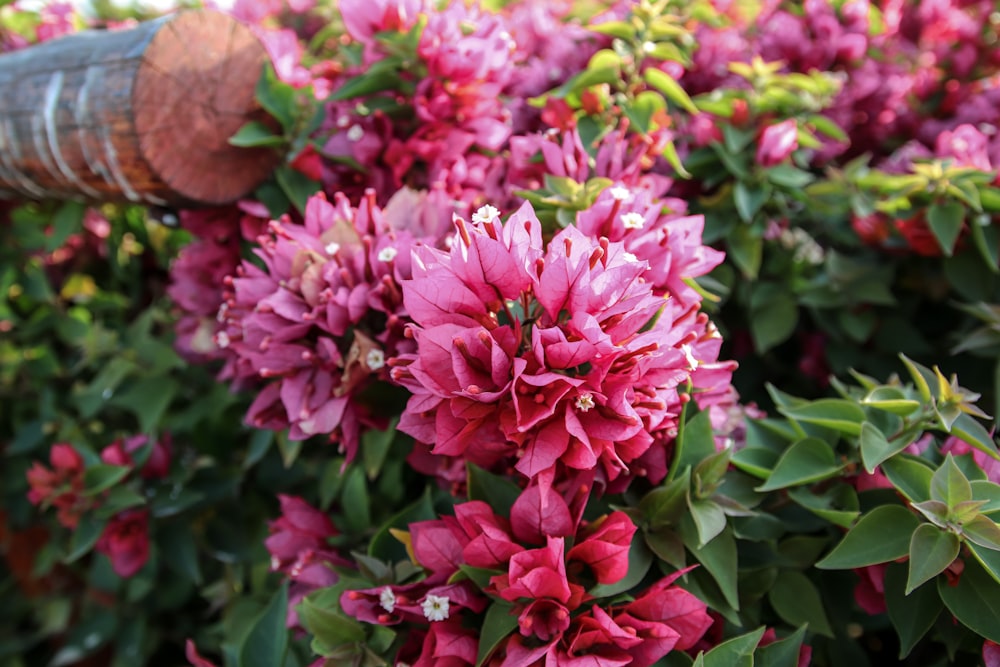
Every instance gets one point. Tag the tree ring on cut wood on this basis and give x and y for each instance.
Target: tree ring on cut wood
(192, 92)
(142, 115)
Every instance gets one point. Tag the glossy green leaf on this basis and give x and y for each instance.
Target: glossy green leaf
(910, 475)
(267, 640)
(256, 135)
(880, 536)
(102, 477)
(672, 90)
(718, 557)
(838, 504)
(990, 492)
(911, 615)
(709, 519)
(838, 414)
(749, 199)
(974, 600)
(84, 537)
(983, 531)
(498, 492)
(329, 626)
(949, 485)
(663, 505)
(756, 461)
(498, 624)
(945, 221)
(808, 460)
(891, 399)
(746, 249)
(781, 653)
(931, 551)
(988, 558)
(923, 378)
(735, 652)
(797, 601)
(972, 432)
(875, 448)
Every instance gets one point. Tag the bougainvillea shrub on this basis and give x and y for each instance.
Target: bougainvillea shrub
(566, 333)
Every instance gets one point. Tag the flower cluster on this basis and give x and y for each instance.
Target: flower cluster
(543, 565)
(319, 320)
(543, 355)
(61, 486)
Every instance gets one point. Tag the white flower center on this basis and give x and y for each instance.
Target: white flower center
(435, 607)
(375, 359)
(585, 402)
(689, 355)
(387, 599)
(633, 220)
(648, 47)
(387, 254)
(619, 193)
(222, 340)
(355, 133)
(485, 214)
(332, 248)
(629, 257)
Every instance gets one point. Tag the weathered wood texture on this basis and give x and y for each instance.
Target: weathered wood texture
(140, 115)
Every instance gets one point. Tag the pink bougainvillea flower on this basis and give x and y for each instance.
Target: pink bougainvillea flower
(991, 654)
(560, 355)
(603, 546)
(125, 541)
(319, 321)
(777, 142)
(61, 486)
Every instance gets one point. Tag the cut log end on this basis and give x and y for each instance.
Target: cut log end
(194, 88)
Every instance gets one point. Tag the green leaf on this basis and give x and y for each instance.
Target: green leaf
(838, 504)
(974, 600)
(983, 531)
(177, 546)
(619, 29)
(797, 601)
(972, 432)
(781, 653)
(949, 485)
(749, 199)
(788, 176)
(990, 492)
(101, 477)
(267, 640)
(668, 547)
(118, 499)
(498, 623)
(84, 537)
(674, 160)
(910, 475)
(923, 378)
(912, 615)
(736, 652)
(708, 518)
(695, 440)
(945, 220)
(988, 558)
(808, 460)
(672, 90)
(773, 321)
(375, 447)
(640, 558)
(257, 135)
(932, 550)
(875, 448)
(880, 536)
(746, 249)
(355, 500)
(328, 626)
(663, 505)
(498, 492)
(148, 400)
(297, 186)
(277, 97)
(756, 461)
(386, 547)
(987, 241)
(718, 557)
(375, 80)
(835, 413)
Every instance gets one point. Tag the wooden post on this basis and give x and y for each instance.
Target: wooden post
(141, 115)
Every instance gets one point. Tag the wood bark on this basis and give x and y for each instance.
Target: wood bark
(141, 115)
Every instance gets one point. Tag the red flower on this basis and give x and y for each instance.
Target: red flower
(60, 487)
(125, 541)
(604, 547)
(157, 465)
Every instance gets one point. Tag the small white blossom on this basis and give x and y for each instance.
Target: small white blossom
(648, 47)
(223, 309)
(585, 402)
(343, 121)
(387, 254)
(619, 193)
(629, 257)
(633, 220)
(435, 607)
(375, 359)
(387, 599)
(332, 248)
(222, 340)
(355, 133)
(485, 214)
